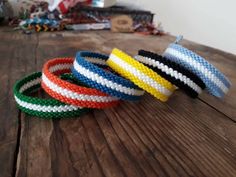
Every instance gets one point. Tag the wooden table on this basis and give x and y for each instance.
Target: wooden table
(183, 137)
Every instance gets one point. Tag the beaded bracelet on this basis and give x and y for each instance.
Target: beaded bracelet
(71, 93)
(44, 108)
(216, 83)
(173, 72)
(39, 21)
(41, 24)
(85, 70)
(141, 75)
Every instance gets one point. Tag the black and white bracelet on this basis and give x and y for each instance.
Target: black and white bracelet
(173, 72)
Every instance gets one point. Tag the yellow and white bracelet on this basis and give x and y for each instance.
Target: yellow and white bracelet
(141, 75)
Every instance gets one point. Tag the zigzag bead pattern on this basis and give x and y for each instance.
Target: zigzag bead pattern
(44, 108)
(39, 21)
(173, 72)
(86, 71)
(140, 75)
(216, 83)
(71, 93)
(41, 24)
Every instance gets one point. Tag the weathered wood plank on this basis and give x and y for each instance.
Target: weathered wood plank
(225, 62)
(182, 137)
(13, 64)
(58, 154)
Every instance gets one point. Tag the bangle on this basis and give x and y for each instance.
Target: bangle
(173, 72)
(141, 75)
(216, 83)
(71, 93)
(85, 70)
(44, 108)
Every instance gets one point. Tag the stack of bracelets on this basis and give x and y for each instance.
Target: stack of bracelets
(98, 81)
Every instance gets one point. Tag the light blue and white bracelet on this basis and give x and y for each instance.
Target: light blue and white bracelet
(216, 83)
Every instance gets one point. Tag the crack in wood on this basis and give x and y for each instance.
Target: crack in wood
(219, 111)
(36, 49)
(19, 125)
(16, 153)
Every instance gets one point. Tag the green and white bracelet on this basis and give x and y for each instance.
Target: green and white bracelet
(44, 108)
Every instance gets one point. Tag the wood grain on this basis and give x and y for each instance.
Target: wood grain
(16, 61)
(183, 137)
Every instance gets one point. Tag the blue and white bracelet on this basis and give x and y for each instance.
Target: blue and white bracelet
(216, 83)
(88, 69)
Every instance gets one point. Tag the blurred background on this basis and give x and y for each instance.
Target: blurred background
(206, 22)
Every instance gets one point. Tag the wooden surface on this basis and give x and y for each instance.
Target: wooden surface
(183, 137)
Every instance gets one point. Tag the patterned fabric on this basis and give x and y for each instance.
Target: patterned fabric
(63, 6)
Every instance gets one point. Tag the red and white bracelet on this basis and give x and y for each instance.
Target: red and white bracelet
(69, 93)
